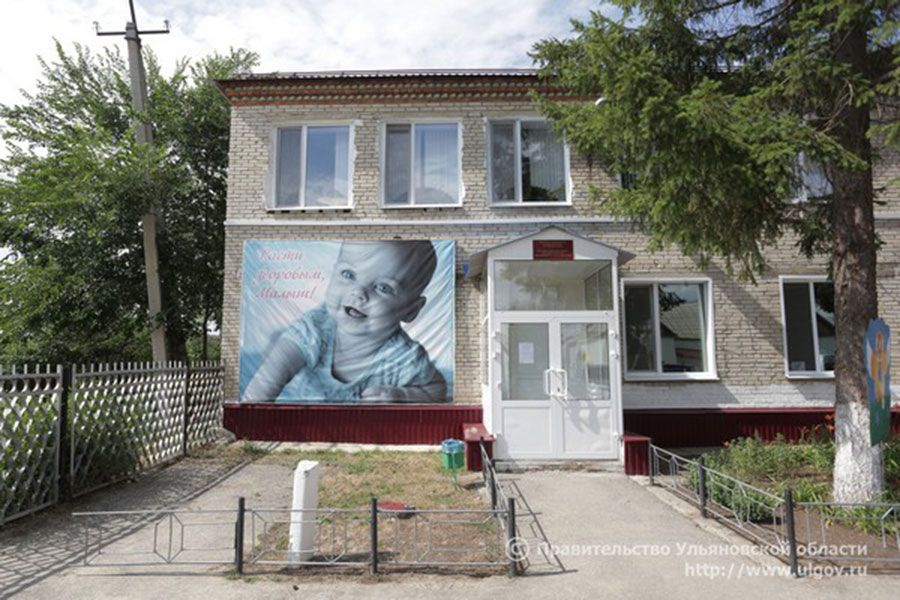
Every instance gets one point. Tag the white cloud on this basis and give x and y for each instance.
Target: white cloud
(290, 35)
(294, 35)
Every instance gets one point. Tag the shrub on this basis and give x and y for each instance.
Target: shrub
(805, 466)
(745, 502)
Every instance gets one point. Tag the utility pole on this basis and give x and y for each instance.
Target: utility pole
(144, 136)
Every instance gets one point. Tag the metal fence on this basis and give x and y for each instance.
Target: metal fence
(30, 416)
(529, 540)
(803, 534)
(70, 430)
(845, 533)
(496, 493)
(254, 538)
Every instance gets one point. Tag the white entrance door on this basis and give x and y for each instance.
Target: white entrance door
(556, 391)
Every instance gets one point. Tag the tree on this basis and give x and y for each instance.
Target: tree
(72, 192)
(710, 103)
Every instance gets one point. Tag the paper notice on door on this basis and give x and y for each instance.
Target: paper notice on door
(526, 353)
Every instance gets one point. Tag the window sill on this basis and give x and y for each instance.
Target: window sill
(530, 205)
(420, 206)
(669, 377)
(308, 209)
(799, 376)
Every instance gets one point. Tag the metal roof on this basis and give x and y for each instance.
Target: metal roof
(386, 73)
(478, 261)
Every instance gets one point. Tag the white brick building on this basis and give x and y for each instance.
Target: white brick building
(696, 348)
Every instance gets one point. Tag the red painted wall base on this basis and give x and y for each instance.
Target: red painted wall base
(406, 424)
(430, 424)
(679, 428)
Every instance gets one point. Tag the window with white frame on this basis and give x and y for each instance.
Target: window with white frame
(808, 315)
(527, 163)
(668, 329)
(312, 167)
(421, 165)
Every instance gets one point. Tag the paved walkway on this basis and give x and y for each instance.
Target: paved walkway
(579, 511)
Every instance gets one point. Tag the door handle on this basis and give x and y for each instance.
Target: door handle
(564, 379)
(547, 382)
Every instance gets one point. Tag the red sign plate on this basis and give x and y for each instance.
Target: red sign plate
(552, 250)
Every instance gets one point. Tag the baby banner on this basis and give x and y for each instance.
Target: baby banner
(353, 321)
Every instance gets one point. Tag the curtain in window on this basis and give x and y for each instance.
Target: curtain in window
(503, 162)
(327, 166)
(287, 170)
(396, 164)
(436, 164)
(543, 164)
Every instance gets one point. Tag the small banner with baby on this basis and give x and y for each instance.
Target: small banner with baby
(878, 377)
(355, 321)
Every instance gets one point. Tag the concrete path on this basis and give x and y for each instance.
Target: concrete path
(584, 514)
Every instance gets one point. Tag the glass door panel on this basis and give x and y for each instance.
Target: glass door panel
(525, 357)
(585, 360)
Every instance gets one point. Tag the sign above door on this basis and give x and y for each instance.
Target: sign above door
(552, 250)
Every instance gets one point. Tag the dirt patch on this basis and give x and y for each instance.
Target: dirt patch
(849, 536)
(418, 538)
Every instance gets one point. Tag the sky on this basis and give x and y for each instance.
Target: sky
(292, 35)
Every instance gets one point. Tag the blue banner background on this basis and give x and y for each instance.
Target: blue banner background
(309, 266)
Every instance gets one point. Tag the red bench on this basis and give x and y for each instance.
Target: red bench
(473, 434)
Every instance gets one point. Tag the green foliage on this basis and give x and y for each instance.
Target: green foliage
(803, 466)
(892, 464)
(73, 190)
(773, 466)
(747, 503)
(710, 103)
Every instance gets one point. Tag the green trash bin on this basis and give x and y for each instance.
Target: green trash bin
(453, 454)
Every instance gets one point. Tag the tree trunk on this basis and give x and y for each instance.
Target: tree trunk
(858, 466)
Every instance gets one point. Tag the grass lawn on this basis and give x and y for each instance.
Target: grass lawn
(350, 479)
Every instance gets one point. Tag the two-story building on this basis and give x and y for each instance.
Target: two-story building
(543, 318)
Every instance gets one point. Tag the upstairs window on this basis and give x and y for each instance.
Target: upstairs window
(808, 315)
(527, 163)
(421, 165)
(312, 167)
(814, 182)
(668, 330)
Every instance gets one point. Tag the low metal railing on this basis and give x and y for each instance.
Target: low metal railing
(853, 533)
(342, 537)
(157, 537)
(372, 538)
(530, 539)
(796, 532)
(497, 494)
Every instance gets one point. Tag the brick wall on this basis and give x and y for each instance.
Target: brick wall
(748, 331)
